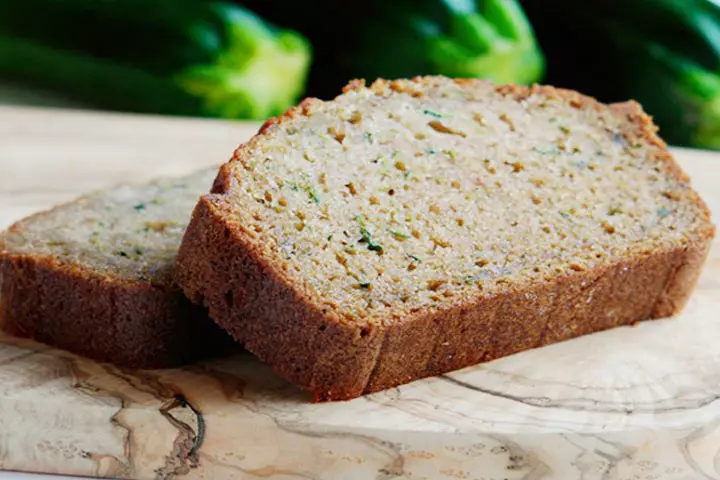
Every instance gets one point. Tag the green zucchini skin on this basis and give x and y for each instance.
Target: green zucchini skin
(93, 80)
(183, 57)
(404, 38)
(158, 36)
(663, 53)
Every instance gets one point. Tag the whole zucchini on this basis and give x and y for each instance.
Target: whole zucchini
(663, 53)
(188, 57)
(461, 38)
(403, 38)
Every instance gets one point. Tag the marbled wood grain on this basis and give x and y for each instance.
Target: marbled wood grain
(632, 403)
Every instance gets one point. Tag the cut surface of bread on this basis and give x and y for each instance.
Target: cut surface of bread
(419, 226)
(94, 276)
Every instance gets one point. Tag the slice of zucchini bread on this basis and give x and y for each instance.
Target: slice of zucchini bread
(94, 276)
(420, 226)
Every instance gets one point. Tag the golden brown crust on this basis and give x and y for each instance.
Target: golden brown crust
(221, 265)
(129, 324)
(621, 294)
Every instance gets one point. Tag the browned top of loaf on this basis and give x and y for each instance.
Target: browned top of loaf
(130, 233)
(416, 195)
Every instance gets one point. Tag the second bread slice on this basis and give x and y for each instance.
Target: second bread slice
(95, 276)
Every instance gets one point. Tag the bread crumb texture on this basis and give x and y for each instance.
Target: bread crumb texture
(414, 194)
(130, 232)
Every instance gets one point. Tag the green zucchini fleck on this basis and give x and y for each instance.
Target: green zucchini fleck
(367, 238)
(313, 194)
(435, 114)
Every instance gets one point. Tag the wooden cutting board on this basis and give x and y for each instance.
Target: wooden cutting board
(632, 403)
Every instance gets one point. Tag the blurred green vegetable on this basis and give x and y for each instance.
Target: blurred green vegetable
(663, 53)
(451, 37)
(184, 57)
(403, 38)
